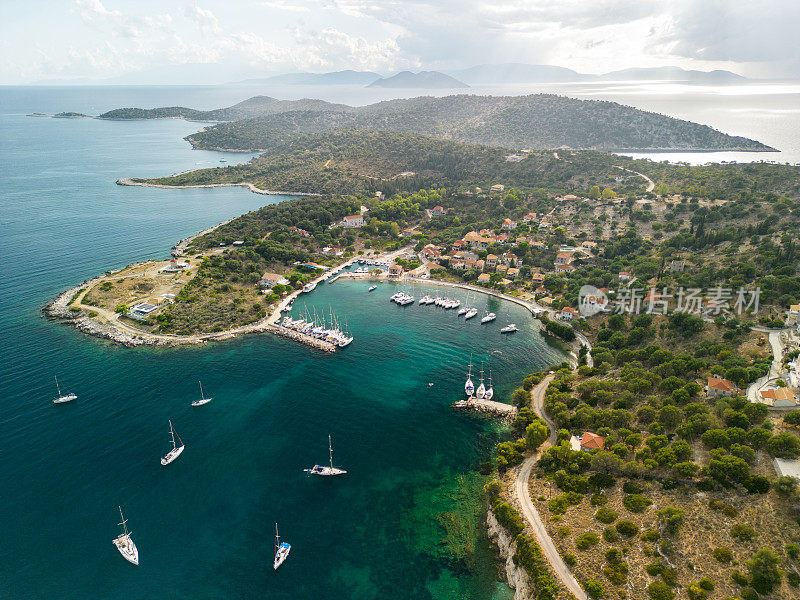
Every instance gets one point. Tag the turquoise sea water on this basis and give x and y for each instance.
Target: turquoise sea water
(204, 524)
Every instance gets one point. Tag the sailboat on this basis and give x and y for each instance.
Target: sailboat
(124, 542)
(176, 450)
(469, 387)
(330, 470)
(490, 316)
(203, 399)
(489, 394)
(65, 398)
(480, 393)
(282, 550)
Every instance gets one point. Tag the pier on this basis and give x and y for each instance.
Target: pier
(507, 412)
(303, 338)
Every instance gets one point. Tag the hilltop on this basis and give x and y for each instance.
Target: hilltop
(424, 79)
(534, 122)
(252, 107)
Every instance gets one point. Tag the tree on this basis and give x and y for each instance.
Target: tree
(658, 590)
(594, 192)
(608, 194)
(784, 445)
(593, 587)
(670, 416)
(764, 574)
(536, 433)
(670, 519)
(122, 309)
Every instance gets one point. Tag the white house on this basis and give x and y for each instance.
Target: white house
(353, 221)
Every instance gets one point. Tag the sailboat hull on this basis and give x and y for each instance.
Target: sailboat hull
(127, 548)
(325, 471)
(281, 554)
(201, 402)
(67, 398)
(172, 455)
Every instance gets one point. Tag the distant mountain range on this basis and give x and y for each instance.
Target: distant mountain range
(348, 77)
(428, 80)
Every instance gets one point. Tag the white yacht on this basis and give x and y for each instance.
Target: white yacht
(470, 313)
(329, 470)
(176, 450)
(373, 288)
(309, 287)
(509, 328)
(490, 316)
(203, 399)
(426, 300)
(124, 542)
(489, 394)
(469, 387)
(61, 398)
(480, 393)
(282, 550)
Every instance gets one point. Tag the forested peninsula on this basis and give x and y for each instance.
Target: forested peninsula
(522, 122)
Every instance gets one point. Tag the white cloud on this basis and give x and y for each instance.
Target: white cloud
(205, 19)
(283, 5)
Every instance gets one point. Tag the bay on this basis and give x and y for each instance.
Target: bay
(204, 524)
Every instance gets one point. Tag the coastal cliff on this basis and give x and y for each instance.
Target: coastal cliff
(516, 576)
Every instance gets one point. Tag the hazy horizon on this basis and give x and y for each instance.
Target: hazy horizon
(112, 41)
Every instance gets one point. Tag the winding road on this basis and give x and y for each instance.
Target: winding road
(650, 184)
(524, 497)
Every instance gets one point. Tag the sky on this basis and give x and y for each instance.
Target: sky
(214, 41)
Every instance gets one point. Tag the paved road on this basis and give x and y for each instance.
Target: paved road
(529, 510)
(775, 369)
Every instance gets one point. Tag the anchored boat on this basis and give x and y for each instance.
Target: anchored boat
(203, 399)
(282, 550)
(176, 450)
(509, 328)
(326, 471)
(124, 542)
(469, 387)
(60, 399)
(490, 316)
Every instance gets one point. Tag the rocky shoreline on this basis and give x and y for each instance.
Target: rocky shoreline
(249, 186)
(515, 575)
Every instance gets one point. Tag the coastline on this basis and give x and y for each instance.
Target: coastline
(129, 181)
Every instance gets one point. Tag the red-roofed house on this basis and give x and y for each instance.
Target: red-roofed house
(625, 276)
(568, 313)
(509, 225)
(564, 258)
(438, 211)
(720, 387)
(591, 441)
(353, 221)
(529, 217)
(564, 268)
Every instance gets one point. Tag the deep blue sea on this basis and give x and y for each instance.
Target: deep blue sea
(204, 524)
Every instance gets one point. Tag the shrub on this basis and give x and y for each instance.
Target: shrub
(793, 578)
(627, 528)
(570, 560)
(743, 533)
(695, 592)
(594, 589)
(586, 540)
(598, 500)
(651, 536)
(654, 569)
(764, 573)
(722, 555)
(792, 551)
(660, 591)
(508, 517)
(563, 531)
(706, 583)
(670, 577)
(610, 535)
(636, 503)
(738, 577)
(633, 487)
(749, 594)
(606, 515)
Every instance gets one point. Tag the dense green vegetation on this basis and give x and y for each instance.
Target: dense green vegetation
(534, 122)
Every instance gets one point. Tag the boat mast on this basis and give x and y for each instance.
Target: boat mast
(172, 434)
(124, 522)
(201, 390)
(330, 450)
(277, 539)
(58, 387)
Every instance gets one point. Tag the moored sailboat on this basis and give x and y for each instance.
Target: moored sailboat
(203, 399)
(282, 550)
(124, 542)
(61, 398)
(480, 393)
(329, 470)
(176, 450)
(469, 387)
(489, 394)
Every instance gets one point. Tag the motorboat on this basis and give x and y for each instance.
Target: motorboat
(489, 318)
(509, 328)
(470, 313)
(373, 288)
